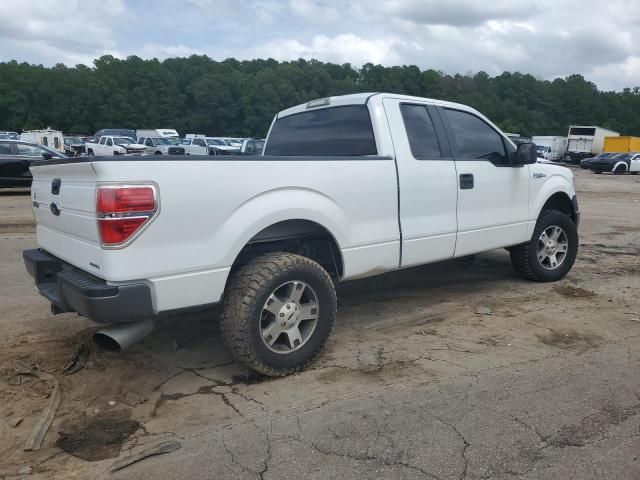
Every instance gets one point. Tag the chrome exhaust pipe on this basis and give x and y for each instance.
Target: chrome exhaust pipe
(121, 336)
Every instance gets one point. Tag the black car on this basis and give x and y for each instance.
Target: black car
(584, 163)
(16, 157)
(618, 163)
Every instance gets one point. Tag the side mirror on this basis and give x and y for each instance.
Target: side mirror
(47, 155)
(526, 154)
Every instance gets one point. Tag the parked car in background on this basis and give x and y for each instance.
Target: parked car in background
(114, 145)
(252, 146)
(585, 141)
(161, 145)
(198, 144)
(584, 163)
(7, 135)
(74, 145)
(618, 164)
(47, 137)
(15, 159)
(117, 132)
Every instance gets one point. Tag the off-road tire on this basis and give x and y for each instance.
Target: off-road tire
(524, 257)
(246, 293)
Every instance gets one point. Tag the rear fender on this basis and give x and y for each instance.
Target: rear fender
(278, 205)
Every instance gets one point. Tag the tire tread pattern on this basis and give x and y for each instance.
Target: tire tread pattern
(521, 255)
(244, 287)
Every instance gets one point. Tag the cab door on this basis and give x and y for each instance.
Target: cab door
(493, 196)
(427, 182)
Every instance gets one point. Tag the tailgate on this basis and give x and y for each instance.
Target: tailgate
(580, 145)
(64, 209)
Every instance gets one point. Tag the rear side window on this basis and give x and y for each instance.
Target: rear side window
(475, 139)
(336, 131)
(420, 132)
(5, 149)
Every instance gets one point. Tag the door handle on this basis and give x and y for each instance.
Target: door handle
(466, 181)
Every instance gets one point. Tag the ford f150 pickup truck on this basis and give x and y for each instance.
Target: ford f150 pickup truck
(347, 187)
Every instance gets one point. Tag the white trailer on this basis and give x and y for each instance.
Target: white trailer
(550, 147)
(47, 137)
(157, 133)
(586, 141)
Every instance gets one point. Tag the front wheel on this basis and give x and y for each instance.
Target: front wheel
(552, 250)
(279, 310)
(619, 170)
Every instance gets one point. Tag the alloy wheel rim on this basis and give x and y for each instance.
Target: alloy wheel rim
(552, 248)
(289, 317)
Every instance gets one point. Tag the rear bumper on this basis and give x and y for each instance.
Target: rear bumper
(70, 289)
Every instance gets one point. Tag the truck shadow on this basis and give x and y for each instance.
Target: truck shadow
(193, 340)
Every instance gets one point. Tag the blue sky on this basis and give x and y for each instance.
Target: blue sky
(599, 39)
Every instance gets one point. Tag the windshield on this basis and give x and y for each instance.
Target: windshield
(162, 141)
(123, 140)
(215, 141)
(73, 140)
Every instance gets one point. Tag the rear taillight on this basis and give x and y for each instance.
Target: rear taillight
(123, 211)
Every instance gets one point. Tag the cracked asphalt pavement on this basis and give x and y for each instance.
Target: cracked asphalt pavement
(458, 370)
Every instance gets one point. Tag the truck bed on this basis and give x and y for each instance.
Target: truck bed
(210, 207)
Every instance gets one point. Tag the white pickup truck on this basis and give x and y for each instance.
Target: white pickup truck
(114, 145)
(348, 187)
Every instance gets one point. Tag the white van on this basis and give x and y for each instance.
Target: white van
(158, 133)
(48, 137)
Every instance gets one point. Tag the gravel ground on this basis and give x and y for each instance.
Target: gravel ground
(413, 382)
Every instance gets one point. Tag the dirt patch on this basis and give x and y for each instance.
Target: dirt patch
(594, 425)
(99, 437)
(493, 340)
(573, 292)
(567, 339)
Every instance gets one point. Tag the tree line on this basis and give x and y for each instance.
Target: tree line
(240, 98)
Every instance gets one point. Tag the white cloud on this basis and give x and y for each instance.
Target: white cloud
(161, 52)
(51, 31)
(314, 11)
(343, 48)
(548, 38)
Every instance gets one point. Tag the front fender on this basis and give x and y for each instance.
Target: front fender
(555, 183)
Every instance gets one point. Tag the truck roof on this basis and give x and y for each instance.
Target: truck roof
(362, 99)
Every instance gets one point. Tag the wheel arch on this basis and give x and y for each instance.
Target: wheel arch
(297, 220)
(302, 236)
(621, 163)
(560, 201)
(556, 194)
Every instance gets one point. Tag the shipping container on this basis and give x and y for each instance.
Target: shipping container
(621, 144)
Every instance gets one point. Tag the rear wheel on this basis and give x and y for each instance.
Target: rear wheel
(552, 250)
(90, 153)
(279, 310)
